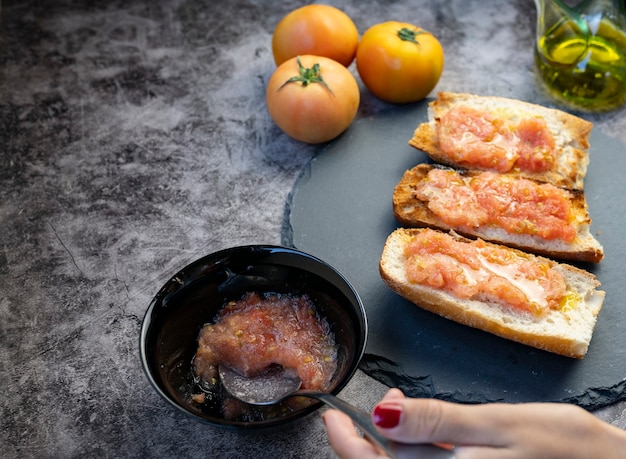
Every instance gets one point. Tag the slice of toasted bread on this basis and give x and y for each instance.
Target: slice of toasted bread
(570, 134)
(410, 211)
(566, 331)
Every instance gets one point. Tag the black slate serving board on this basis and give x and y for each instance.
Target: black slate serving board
(340, 210)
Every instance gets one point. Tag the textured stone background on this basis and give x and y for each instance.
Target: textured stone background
(133, 140)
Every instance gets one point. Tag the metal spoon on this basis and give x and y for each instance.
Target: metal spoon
(276, 385)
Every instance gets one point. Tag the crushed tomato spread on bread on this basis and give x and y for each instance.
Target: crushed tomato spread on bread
(479, 271)
(481, 138)
(519, 206)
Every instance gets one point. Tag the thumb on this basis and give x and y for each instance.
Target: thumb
(410, 420)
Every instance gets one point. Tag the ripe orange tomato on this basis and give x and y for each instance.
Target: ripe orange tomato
(399, 62)
(320, 30)
(312, 98)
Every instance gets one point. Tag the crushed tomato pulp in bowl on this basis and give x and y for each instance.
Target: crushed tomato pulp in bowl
(251, 308)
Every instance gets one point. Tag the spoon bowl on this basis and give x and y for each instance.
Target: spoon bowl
(274, 385)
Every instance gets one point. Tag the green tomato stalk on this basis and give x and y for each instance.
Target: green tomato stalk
(307, 76)
(405, 34)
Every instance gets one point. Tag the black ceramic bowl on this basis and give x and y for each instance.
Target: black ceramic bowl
(193, 296)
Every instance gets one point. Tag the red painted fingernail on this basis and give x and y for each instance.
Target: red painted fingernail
(386, 416)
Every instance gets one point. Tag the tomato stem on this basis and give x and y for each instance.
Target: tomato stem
(307, 76)
(410, 35)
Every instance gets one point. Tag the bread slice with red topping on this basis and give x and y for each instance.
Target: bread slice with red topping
(506, 136)
(529, 215)
(512, 294)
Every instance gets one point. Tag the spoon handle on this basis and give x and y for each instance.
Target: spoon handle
(363, 420)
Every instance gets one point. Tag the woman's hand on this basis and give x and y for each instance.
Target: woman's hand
(512, 431)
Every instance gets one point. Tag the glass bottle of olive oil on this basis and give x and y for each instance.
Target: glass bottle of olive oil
(581, 53)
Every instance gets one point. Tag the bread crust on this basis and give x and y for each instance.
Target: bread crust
(565, 332)
(570, 132)
(410, 211)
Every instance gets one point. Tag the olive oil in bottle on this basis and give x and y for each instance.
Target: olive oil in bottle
(585, 71)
